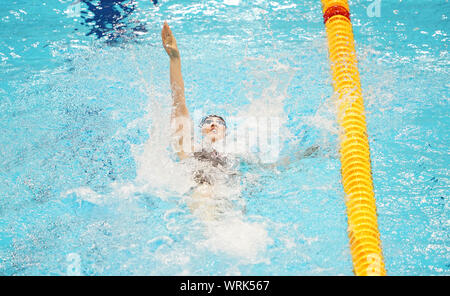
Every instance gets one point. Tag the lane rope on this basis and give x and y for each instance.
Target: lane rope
(365, 243)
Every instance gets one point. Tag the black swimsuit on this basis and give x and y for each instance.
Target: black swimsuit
(215, 169)
(212, 158)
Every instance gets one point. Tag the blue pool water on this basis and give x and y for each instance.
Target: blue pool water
(89, 187)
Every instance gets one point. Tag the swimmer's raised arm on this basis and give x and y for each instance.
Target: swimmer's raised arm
(180, 118)
(176, 79)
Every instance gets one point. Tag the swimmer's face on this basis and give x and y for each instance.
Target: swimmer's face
(213, 128)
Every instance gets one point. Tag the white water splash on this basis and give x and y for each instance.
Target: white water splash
(248, 241)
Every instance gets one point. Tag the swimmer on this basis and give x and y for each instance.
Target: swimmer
(213, 167)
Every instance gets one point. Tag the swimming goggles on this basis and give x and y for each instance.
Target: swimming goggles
(210, 119)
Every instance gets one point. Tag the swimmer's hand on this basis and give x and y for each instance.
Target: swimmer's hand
(169, 42)
(285, 161)
(311, 151)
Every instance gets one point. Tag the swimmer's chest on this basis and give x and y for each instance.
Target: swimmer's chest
(211, 167)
